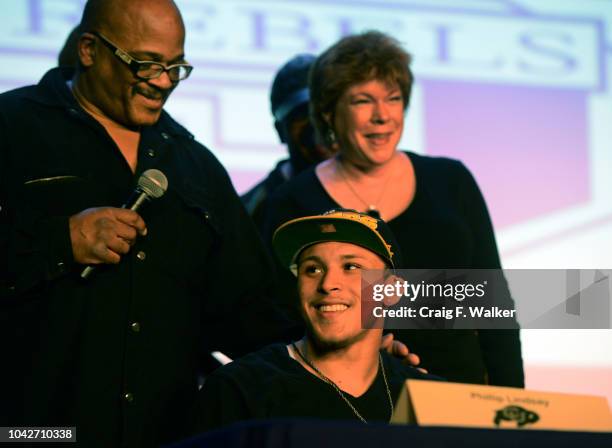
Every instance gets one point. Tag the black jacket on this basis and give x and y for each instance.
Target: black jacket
(256, 199)
(118, 355)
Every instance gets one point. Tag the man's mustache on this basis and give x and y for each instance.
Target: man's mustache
(153, 94)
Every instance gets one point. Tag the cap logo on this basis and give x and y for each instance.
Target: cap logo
(327, 228)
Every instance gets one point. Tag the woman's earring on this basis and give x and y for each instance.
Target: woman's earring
(331, 136)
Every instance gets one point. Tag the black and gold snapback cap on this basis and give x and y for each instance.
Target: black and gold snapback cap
(341, 225)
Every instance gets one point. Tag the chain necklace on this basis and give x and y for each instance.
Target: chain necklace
(370, 207)
(337, 389)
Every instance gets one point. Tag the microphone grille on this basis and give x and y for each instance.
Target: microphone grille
(153, 182)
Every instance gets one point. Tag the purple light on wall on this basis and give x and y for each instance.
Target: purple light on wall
(526, 146)
(244, 180)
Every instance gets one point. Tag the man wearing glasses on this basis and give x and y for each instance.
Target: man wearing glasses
(117, 355)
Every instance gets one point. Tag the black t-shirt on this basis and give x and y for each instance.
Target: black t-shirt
(269, 383)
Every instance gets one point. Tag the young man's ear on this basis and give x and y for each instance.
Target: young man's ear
(391, 278)
(389, 270)
(86, 49)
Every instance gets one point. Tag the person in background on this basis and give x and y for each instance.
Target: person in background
(359, 92)
(289, 103)
(337, 370)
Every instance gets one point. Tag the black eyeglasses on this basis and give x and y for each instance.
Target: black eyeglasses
(147, 69)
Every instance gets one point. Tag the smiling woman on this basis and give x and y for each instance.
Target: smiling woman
(360, 88)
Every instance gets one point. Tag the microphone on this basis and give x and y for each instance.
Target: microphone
(152, 184)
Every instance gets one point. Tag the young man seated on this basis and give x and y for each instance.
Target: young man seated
(337, 371)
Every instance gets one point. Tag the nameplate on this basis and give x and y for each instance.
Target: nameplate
(433, 403)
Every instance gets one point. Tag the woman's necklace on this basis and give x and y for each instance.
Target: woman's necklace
(371, 208)
(337, 389)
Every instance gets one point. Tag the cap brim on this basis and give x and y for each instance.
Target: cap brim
(293, 237)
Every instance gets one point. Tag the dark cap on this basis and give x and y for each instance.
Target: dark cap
(341, 225)
(290, 86)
